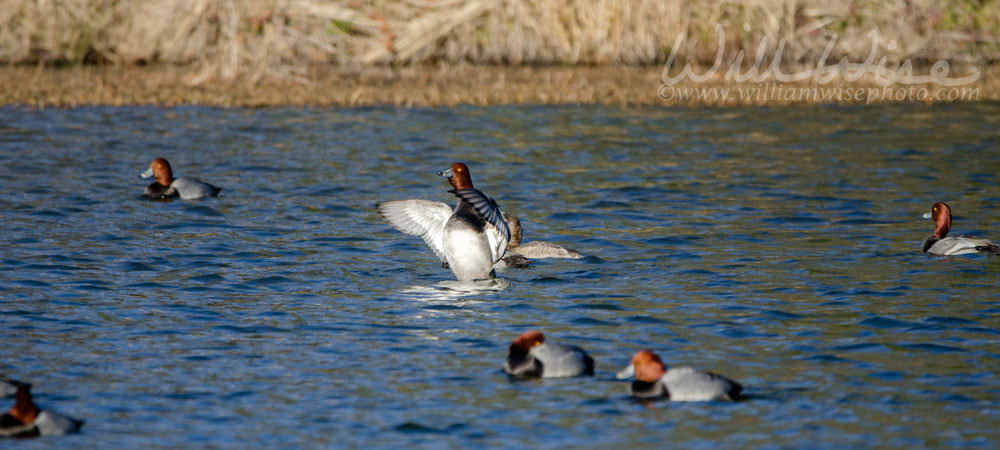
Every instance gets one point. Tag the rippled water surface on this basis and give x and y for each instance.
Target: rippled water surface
(777, 246)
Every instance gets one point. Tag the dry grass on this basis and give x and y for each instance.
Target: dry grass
(255, 39)
(402, 86)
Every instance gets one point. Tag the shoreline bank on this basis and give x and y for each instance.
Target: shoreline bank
(438, 85)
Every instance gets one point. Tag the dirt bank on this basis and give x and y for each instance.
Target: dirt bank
(446, 85)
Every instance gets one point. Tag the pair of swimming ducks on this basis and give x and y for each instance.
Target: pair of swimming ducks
(530, 356)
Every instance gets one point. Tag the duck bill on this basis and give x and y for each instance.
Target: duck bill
(148, 173)
(926, 215)
(445, 173)
(627, 372)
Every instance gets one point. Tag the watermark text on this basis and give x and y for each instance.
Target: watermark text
(900, 73)
(777, 92)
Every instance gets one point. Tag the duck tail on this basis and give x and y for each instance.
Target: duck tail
(992, 248)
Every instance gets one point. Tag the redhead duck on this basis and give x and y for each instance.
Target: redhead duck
(470, 239)
(534, 249)
(26, 419)
(938, 244)
(166, 185)
(682, 384)
(531, 357)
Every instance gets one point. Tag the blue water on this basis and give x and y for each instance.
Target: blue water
(777, 246)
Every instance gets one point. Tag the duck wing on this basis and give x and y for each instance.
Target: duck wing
(961, 245)
(53, 424)
(497, 230)
(688, 384)
(422, 218)
(563, 360)
(192, 188)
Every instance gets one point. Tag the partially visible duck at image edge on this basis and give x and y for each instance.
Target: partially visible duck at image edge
(938, 244)
(167, 186)
(26, 419)
(470, 239)
(529, 356)
(680, 384)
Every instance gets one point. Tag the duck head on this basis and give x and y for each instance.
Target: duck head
(941, 214)
(526, 341)
(458, 175)
(160, 170)
(515, 230)
(645, 366)
(24, 408)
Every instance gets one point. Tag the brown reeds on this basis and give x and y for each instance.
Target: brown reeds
(431, 52)
(251, 39)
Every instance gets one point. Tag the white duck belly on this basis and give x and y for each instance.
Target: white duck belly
(467, 250)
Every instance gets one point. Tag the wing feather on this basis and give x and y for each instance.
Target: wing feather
(960, 245)
(497, 231)
(422, 218)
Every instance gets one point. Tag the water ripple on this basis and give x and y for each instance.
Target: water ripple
(777, 246)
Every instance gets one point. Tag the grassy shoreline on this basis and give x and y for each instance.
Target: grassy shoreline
(483, 52)
(439, 85)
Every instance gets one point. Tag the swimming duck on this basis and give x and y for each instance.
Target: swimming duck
(470, 239)
(682, 384)
(531, 357)
(166, 185)
(938, 244)
(26, 419)
(534, 249)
